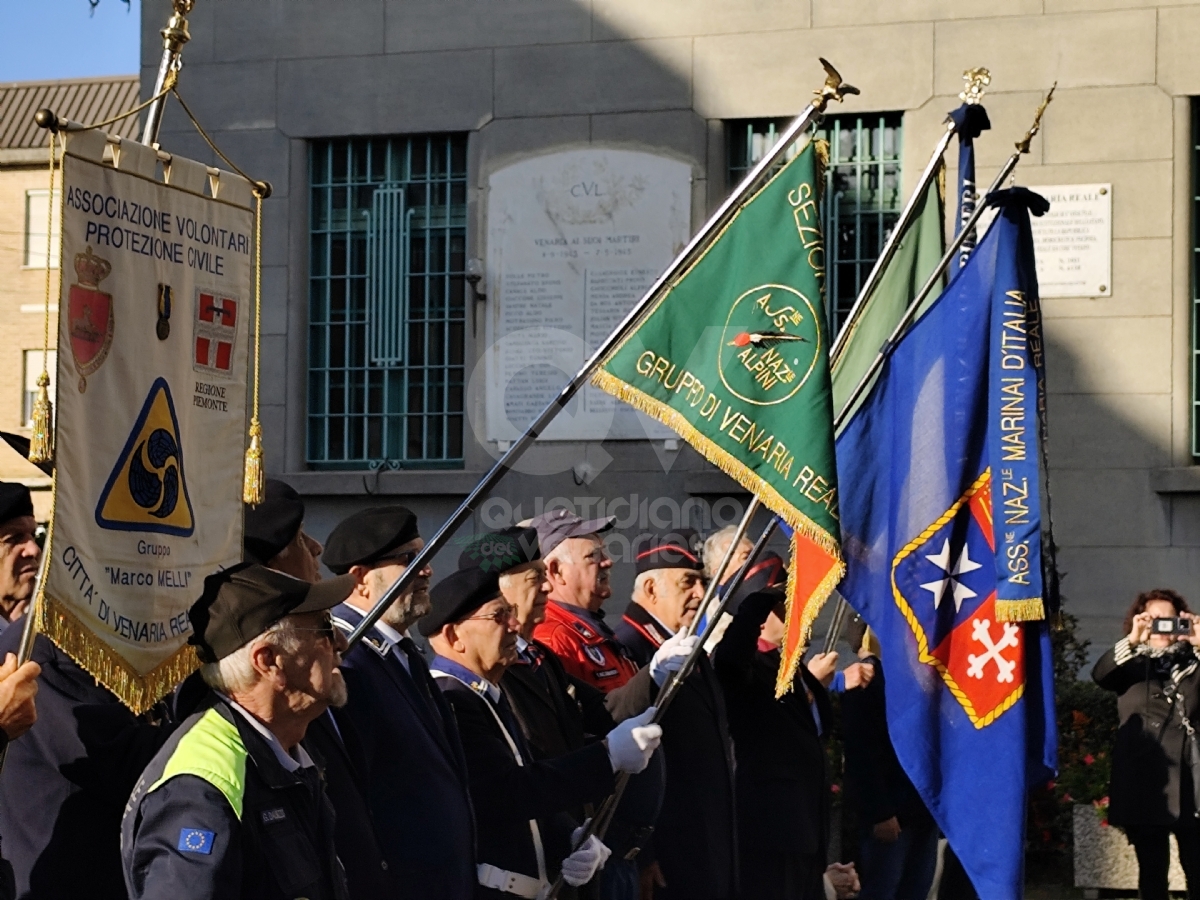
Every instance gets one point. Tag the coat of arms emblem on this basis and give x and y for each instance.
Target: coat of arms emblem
(89, 316)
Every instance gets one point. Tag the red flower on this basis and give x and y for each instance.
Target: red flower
(835, 788)
(1104, 823)
(1067, 798)
(1049, 785)
(1089, 759)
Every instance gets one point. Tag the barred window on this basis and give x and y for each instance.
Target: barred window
(386, 302)
(862, 198)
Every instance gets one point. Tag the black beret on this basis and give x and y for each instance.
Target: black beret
(20, 443)
(457, 596)
(274, 523)
(245, 600)
(767, 575)
(367, 536)
(678, 549)
(14, 501)
(499, 551)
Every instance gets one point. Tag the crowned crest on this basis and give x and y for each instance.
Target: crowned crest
(89, 315)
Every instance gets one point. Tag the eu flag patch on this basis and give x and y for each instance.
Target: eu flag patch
(195, 840)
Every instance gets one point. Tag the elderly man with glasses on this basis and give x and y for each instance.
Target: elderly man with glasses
(234, 805)
(520, 801)
(415, 776)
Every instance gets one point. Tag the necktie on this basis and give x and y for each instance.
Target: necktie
(419, 675)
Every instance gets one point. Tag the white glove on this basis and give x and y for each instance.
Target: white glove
(582, 865)
(669, 658)
(632, 743)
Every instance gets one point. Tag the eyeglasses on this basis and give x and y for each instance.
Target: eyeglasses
(326, 629)
(500, 615)
(399, 559)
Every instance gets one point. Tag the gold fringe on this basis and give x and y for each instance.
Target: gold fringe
(791, 661)
(254, 484)
(1028, 610)
(721, 458)
(138, 692)
(41, 441)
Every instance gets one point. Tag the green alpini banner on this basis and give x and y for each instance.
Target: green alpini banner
(734, 356)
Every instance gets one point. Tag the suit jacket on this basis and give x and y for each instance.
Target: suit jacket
(507, 794)
(338, 746)
(1150, 745)
(783, 790)
(66, 781)
(414, 770)
(875, 782)
(695, 839)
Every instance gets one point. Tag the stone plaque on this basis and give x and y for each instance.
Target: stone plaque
(1073, 241)
(574, 240)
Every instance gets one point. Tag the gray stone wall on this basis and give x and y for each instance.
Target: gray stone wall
(527, 76)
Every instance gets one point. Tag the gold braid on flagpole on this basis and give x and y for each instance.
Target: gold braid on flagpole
(41, 440)
(254, 484)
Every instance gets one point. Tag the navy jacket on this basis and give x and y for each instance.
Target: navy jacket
(695, 839)
(65, 782)
(507, 795)
(415, 774)
(191, 831)
(783, 789)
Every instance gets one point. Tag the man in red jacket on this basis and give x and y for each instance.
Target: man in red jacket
(577, 568)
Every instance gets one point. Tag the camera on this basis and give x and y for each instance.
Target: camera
(1171, 625)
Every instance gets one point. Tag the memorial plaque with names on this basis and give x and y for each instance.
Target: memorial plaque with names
(1073, 241)
(574, 240)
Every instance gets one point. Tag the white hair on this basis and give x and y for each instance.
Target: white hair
(639, 583)
(235, 672)
(716, 546)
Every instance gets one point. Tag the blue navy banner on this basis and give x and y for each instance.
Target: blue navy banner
(942, 541)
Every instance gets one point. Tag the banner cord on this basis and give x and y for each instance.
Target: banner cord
(41, 441)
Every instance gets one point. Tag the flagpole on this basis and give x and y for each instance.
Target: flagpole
(892, 244)
(175, 35)
(1022, 147)
(598, 824)
(833, 89)
(876, 364)
(715, 581)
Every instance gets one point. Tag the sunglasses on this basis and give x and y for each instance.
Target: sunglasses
(324, 630)
(501, 615)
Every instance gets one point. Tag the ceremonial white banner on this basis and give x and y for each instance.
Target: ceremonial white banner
(155, 311)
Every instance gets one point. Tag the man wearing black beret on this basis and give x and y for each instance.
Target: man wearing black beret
(274, 534)
(520, 801)
(233, 805)
(559, 713)
(415, 776)
(19, 552)
(698, 806)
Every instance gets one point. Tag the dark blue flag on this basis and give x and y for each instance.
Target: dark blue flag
(941, 524)
(972, 121)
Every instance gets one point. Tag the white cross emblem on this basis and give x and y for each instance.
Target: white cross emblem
(982, 634)
(960, 591)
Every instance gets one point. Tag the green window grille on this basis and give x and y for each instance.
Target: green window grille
(1195, 279)
(862, 198)
(386, 302)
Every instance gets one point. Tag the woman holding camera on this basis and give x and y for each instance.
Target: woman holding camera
(1155, 672)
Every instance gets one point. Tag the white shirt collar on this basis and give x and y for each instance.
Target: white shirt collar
(389, 632)
(291, 763)
(668, 631)
(521, 644)
(491, 690)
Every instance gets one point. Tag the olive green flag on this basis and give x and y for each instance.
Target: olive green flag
(919, 251)
(733, 355)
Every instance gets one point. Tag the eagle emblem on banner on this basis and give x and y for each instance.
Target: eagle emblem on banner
(89, 315)
(944, 583)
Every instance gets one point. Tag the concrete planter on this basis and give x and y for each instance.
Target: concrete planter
(1104, 858)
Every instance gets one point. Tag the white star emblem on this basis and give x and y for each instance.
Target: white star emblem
(961, 567)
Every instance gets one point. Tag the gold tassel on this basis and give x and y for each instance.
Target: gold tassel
(41, 441)
(254, 486)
